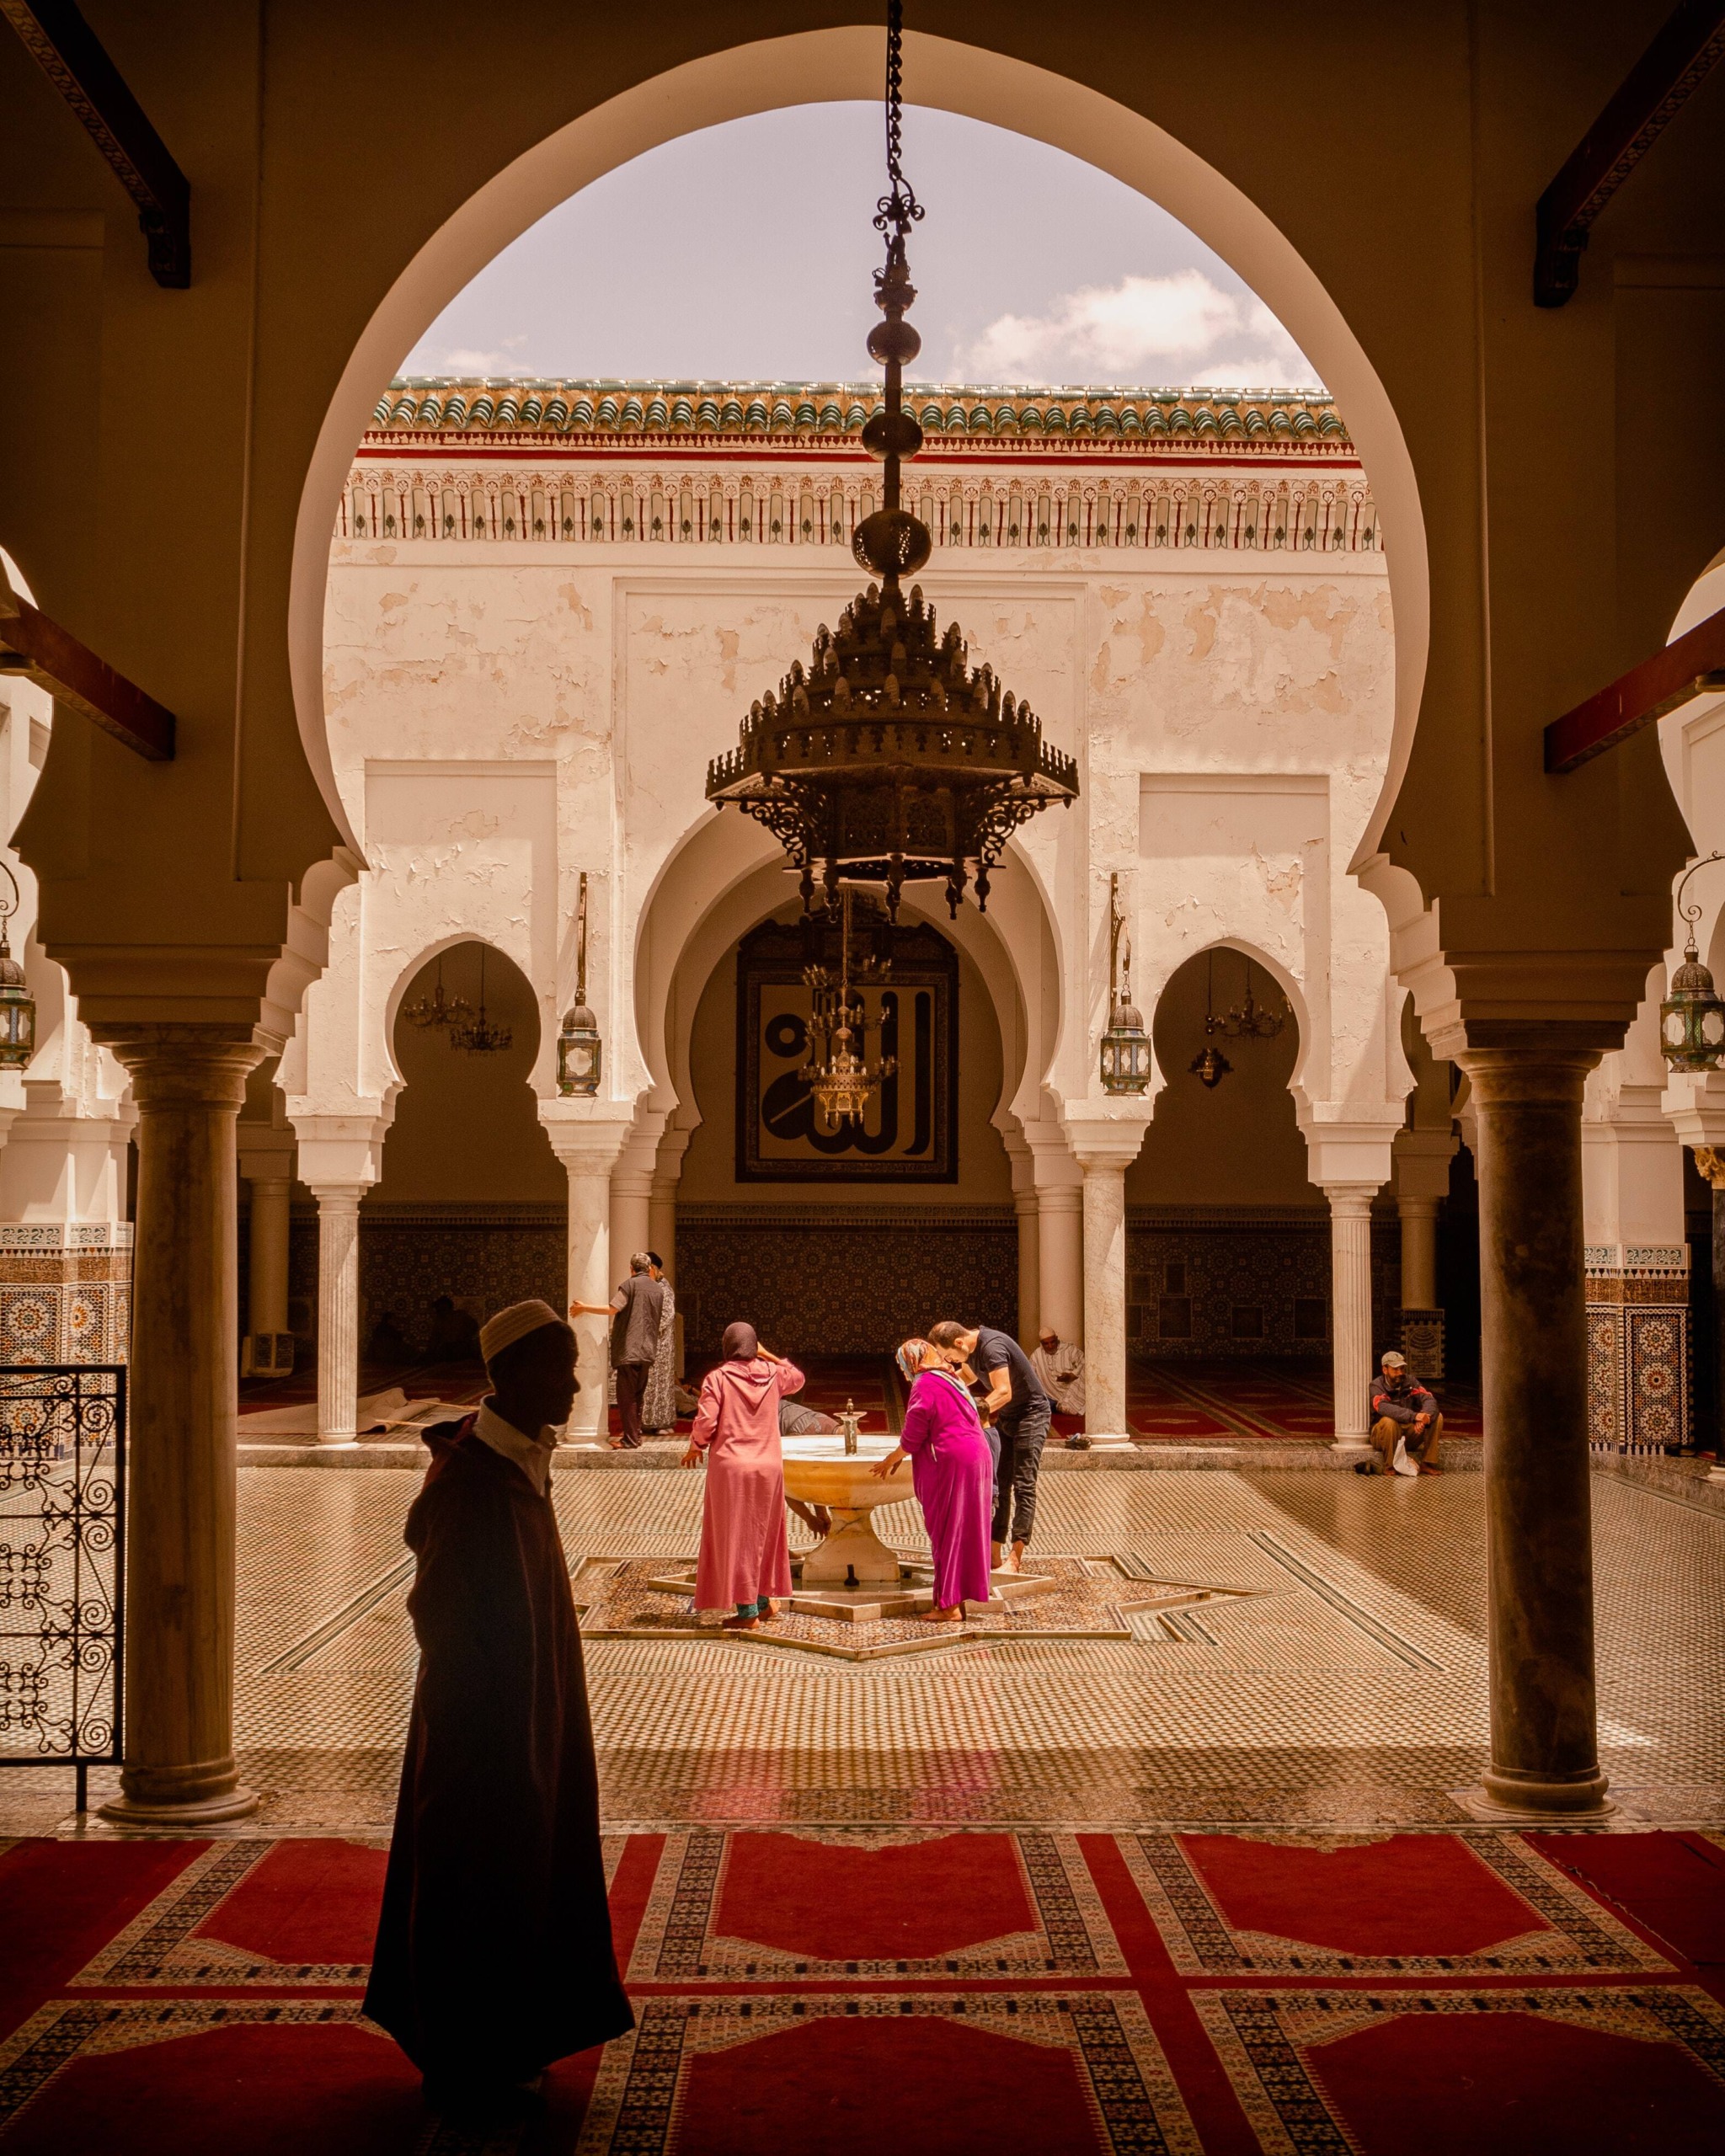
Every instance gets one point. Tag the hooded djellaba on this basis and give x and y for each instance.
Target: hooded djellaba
(745, 1560)
(493, 1955)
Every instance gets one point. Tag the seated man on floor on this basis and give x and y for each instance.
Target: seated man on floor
(1406, 1425)
(1060, 1363)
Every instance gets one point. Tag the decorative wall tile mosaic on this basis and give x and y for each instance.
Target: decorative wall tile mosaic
(843, 1285)
(1638, 1361)
(65, 1292)
(1228, 1281)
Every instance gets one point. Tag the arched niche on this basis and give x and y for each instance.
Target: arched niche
(1237, 1143)
(466, 1130)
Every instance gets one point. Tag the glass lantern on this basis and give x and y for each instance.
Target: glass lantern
(17, 1012)
(1125, 1052)
(578, 1052)
(1692, 1017)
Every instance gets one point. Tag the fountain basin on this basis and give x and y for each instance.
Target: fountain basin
(819, 1471)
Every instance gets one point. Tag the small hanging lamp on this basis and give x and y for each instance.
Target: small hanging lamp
(1125, 1046)
(18, 1007)
(1692, 1017)
(580, 1051)
(479, 1036)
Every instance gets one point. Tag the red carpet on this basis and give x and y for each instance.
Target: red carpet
(1200, 1995)
(1214, 1402)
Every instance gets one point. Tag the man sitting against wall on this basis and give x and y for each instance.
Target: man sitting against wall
(1406, 1425)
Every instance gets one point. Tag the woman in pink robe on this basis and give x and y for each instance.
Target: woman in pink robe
(745, 1560)
(952, 1470)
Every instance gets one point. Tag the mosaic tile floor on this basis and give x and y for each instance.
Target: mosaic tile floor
(1338, 1682)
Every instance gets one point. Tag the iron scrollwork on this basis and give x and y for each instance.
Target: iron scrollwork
(62, 1511)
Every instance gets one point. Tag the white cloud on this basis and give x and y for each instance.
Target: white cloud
(464, 360)
(1176, 332)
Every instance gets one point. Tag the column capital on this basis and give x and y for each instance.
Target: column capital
(1350, 1200)
(1422, 1165)
(335, 1150)
(185, 1063)
(1694, 1101)
(266, 1155)
(1104, 1141)
(587, 1136)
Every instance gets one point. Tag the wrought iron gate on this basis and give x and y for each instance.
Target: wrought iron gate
(62, 1530)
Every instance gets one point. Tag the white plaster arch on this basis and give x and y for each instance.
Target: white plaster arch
(814, 66)
(1292, 990)
(414, 966)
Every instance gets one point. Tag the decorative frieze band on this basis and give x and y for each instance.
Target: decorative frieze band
(1637, 1261)
(65, 1234)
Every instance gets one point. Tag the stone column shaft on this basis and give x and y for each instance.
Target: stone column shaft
(590, 1281)
(1419, 1252)
(339, 1311)
(1029, 1213)
(271, 1196)
(1105, 1298)
(1539, 1547)
(189, 1081)
(1350, 1308)
(1060, 1236)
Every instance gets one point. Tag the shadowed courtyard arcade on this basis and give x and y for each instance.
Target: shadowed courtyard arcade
(1159, 797)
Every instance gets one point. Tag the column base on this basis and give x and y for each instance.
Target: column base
(180, 1796)
(1531, 1797)
(1361, 1445)
(333, 1440)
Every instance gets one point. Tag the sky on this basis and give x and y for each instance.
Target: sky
(746, 251)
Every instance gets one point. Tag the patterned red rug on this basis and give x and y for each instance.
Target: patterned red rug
(974, 1993)
(1213, 1402)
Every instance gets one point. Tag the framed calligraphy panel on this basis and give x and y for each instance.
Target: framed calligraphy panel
(911, 1133)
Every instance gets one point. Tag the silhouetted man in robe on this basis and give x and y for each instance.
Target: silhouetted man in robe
(494, 1953)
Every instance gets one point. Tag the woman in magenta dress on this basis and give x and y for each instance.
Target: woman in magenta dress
(952, 1470)
(745, 1560)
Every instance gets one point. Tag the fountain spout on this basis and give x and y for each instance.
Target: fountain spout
(850, 1422)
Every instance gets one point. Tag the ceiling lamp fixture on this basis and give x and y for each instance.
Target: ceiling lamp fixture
(841, 1081)
(479, 1036)
(889, 760)
(1692, 1017)
(1248, 1021)
(438, 1010)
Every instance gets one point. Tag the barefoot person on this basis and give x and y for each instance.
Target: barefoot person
(952, 1470)
(494, 1954)
(745, 1560)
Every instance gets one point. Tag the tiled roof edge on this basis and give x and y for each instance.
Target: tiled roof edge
(517, 406)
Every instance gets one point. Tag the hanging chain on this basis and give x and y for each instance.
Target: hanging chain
(899, 210)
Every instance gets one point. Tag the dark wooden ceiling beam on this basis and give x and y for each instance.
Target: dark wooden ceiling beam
(1691, 666)
(36, 650)
(1650, 98)
(75, 61)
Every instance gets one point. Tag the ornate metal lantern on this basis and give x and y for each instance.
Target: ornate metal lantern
(1125, 1046)
(1692, 1017)
(842, 1081)
(889, 760)
(580, 1051)
(18, 1007)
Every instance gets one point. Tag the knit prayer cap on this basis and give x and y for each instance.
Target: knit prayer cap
(513, 1324)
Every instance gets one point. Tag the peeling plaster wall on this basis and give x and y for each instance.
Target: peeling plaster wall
(506, 716)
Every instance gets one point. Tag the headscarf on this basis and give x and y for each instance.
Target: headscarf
(909, 1358)
(741, 1343)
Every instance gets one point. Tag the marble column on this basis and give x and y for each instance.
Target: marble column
(271, 1200)
(631, 1210)
(1419, 1252)
(1060, 1250)
(588, 1141)
(1350, 1309)
(338, 1311)
(189, 1083)
(1105, 1151)
(662, 1202)
(1539, 1548)
(1026, 1206)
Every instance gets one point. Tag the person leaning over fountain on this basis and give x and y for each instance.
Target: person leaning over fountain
(746, 1559)
(1021, 1415)
(951, 1468)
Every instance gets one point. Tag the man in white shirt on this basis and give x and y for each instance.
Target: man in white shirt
(1060, 1363)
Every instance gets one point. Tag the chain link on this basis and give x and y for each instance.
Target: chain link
(899, 209)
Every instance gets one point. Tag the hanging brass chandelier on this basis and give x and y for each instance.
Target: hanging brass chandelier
(889, 760)
(843, 1082)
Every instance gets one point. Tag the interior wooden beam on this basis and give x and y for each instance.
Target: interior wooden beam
(75, 61)
(1651, 96)
(1689, 667)
(39, 650)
